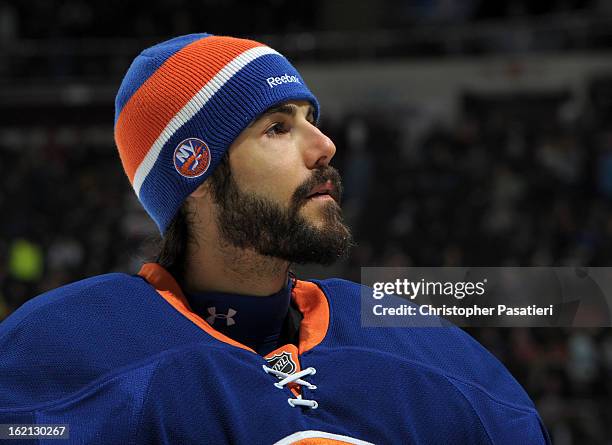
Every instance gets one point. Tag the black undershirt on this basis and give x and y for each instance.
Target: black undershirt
(261, 323)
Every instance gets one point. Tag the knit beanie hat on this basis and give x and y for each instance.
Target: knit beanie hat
(181, 105)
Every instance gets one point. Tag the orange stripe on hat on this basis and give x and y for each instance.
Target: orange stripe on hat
(167, 91)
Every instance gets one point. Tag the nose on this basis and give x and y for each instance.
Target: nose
(319, 149)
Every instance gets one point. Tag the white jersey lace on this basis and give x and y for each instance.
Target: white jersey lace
(297, 378)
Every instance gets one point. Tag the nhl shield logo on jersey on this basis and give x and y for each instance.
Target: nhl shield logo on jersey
(282, 362)
(192, 157)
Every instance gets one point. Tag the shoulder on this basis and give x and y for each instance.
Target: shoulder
(89, 289)
(68, 337)
(446, 350)
(75, 299)
(443, 357)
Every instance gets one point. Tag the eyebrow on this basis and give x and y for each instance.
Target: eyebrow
(288, 109)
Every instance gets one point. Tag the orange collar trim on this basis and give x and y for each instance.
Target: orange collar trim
(312, 303)
(310, 300)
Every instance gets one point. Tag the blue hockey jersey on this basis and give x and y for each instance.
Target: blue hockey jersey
(122, 359)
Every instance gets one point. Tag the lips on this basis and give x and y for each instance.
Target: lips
(326, 188)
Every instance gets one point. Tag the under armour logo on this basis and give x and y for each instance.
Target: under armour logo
(228, 317)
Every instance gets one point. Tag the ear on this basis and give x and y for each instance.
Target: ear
(201, 191)
(199, 202)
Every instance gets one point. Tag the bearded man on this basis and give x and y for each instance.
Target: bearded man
(217, 341)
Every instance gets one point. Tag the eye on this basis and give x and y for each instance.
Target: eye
(277, 129)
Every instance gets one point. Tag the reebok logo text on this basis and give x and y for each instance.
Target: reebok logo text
(286, 78)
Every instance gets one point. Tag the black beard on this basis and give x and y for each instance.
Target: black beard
(249, 221)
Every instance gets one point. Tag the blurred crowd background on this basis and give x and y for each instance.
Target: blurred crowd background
(469, 133)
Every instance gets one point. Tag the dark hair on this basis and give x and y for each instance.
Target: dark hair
(172, 253)
(172, 249)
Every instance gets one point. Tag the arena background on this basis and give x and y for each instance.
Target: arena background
(468, 133)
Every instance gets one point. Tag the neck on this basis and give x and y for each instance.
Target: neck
(219, 267)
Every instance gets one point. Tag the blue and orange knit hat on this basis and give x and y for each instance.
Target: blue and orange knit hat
(181, 105)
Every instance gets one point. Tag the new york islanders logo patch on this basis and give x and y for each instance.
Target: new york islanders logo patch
(192, 157)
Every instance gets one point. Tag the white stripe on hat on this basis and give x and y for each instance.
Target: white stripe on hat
(197, 102)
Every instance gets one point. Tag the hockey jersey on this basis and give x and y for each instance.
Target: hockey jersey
(122, 359)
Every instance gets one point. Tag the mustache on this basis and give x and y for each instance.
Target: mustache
(319, 177)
